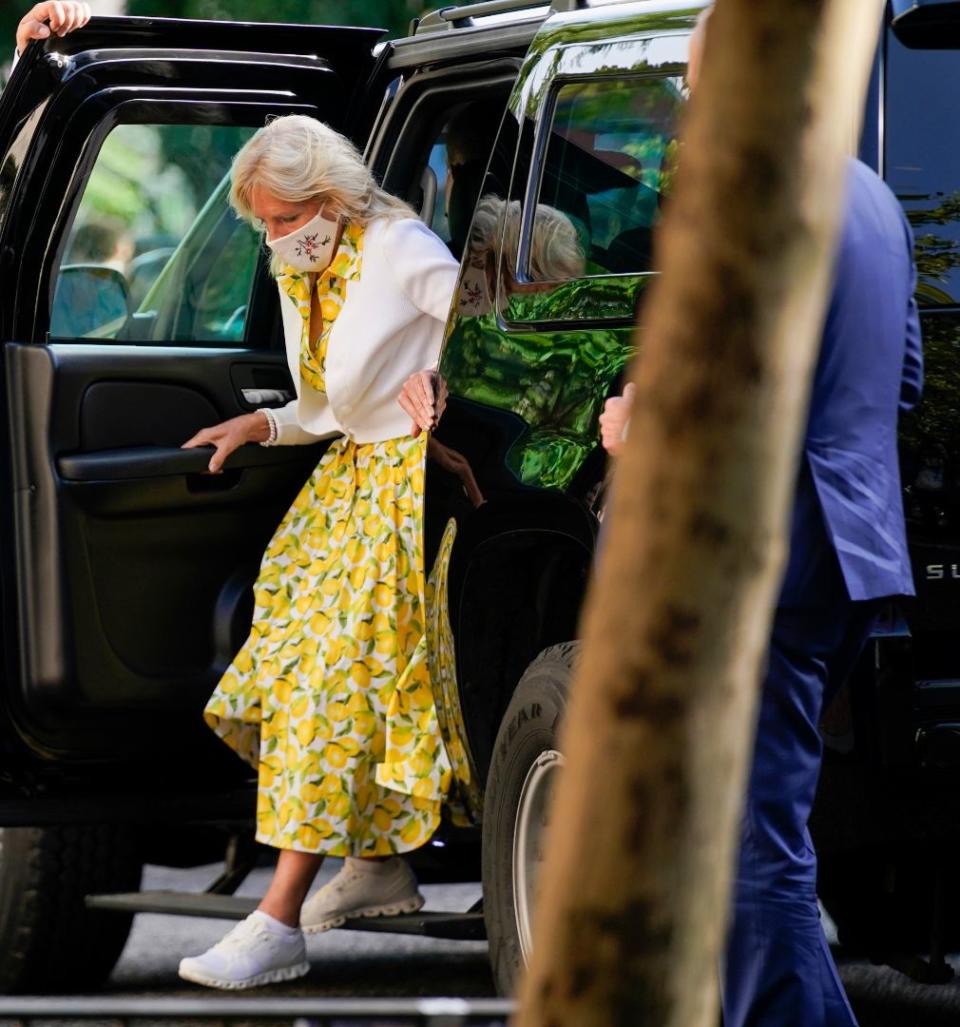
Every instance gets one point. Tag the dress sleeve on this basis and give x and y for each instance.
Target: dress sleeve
(422, 266)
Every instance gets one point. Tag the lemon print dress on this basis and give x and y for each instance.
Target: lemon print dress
(330, 696)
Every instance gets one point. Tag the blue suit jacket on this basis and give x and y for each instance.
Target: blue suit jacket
(870, 367)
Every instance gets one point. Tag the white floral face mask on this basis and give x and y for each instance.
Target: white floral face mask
(310, 247)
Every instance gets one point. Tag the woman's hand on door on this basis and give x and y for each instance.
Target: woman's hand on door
(229, 436)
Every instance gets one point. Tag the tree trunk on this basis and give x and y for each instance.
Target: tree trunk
(633, 905)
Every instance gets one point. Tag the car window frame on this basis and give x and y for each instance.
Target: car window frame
(397, 154)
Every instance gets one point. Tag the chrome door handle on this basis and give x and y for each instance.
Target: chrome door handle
(259, 397)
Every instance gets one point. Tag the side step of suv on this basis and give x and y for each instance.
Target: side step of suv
(453, 926)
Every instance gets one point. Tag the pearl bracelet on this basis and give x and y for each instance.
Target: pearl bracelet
(271, 439)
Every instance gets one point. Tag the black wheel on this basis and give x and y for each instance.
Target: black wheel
(522, 773)
(49, 940)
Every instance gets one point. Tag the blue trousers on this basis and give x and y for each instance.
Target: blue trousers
(778, 970)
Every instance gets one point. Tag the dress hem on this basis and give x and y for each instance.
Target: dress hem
(342, 851)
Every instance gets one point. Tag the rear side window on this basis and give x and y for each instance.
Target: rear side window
(154, 253)
(577, 235)
(609, 159)
(922, 161)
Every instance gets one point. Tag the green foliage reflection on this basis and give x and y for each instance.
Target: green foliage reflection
(937, 255)
(556, 383)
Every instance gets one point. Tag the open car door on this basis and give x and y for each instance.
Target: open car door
(135, 310)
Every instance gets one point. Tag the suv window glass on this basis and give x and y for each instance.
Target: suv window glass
(154, 252)
(608, 161)
(604, 162)
(457, 161)
(923, 162)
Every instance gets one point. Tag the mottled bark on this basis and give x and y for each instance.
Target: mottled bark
(633, 904)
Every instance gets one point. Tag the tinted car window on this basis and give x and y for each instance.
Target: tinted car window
(922, 161)
(577, 246)
(609, 158)
(154, 252)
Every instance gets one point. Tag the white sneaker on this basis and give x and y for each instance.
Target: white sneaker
(253, 953)
(364, 887)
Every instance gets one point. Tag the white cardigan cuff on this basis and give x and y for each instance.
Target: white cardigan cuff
(289, 431)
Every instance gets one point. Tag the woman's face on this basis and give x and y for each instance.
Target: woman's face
(281, 217)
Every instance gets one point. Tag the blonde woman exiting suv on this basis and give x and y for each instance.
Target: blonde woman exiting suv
(329, 698)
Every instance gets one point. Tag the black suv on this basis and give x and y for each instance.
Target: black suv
(539, 142)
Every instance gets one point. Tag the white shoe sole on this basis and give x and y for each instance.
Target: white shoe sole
(412, 905)
(283, 973)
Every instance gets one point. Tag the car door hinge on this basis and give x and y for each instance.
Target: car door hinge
(58, 64)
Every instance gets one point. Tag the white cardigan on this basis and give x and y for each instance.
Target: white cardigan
(390, 326)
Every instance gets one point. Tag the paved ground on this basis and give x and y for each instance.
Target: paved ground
(343, 962)
(361, 964)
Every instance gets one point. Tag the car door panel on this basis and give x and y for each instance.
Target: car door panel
(135, 568)
(127, 568)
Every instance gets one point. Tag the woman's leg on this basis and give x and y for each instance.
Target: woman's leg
(291, 882)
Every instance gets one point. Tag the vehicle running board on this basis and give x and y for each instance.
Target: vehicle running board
(455, 926)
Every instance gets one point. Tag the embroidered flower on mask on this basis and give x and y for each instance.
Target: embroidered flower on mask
(308, 246)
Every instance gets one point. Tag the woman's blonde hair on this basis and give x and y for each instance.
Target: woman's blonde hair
(298, 158)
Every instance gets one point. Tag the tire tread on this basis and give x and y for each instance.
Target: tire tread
(49, 940)
(547, 680)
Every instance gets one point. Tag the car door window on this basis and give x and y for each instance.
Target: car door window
(558, 252)
(154, 252)
(608, 150)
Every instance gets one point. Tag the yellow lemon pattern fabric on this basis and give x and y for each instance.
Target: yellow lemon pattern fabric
(465, 801)
(330, 696)
(332, 288)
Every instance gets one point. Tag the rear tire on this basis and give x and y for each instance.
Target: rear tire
(49, 940)
(522, 773)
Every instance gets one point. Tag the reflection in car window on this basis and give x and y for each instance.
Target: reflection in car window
(607, 161)
(539, 390)
(609, 158)
(923, 162)
(154, 253)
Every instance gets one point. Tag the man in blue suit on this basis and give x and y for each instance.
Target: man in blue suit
(847, 552)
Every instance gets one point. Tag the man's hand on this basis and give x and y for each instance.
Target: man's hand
(614, 420)
(56, 17)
